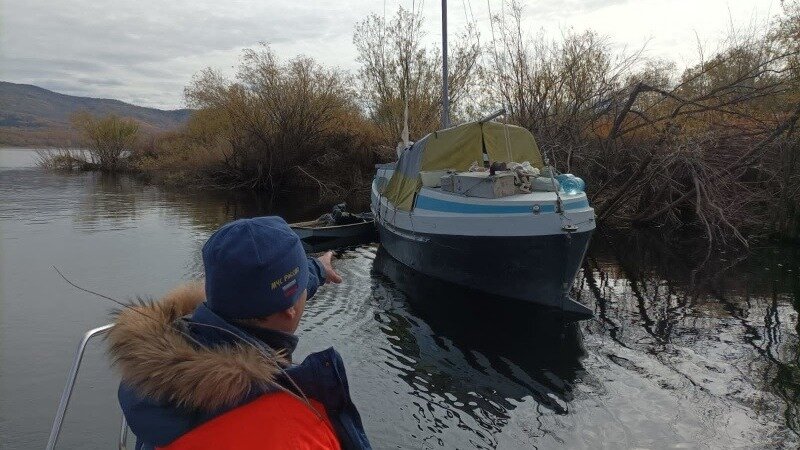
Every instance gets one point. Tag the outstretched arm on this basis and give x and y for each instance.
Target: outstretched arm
(321, 271)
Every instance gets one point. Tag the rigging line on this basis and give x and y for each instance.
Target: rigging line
(469, 16)
(469, 2)
(475, 26)
(383, 39)
(502, 81)
(494, 39)
(413, 20)
(466, 18)
(414, 17)
(409, 44)
(407, 67)
(559, 201)
(119, 303)
(494, 48)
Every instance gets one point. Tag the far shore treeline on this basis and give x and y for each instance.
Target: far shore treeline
(712, 149)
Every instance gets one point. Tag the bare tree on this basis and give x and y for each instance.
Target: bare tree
(396, 66)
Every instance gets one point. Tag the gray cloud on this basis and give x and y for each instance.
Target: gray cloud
(146, 51)
(114, 48)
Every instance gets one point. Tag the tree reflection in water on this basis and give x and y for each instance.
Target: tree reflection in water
(727, 326)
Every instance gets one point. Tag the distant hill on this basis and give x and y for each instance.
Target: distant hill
(31, 116)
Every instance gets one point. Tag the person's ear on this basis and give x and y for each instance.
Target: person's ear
(290, 312)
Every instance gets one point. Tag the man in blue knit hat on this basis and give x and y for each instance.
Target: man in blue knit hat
(209, 367)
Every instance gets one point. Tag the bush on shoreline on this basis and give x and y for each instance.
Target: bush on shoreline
(63, 160)
(109, 143)
(276, 126)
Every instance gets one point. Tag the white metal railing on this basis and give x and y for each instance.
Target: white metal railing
(123, 435)
(67, 393)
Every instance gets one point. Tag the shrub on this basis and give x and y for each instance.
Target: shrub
(62, 160)
(109, 139)
(276, 126)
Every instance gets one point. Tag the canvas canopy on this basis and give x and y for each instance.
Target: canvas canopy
(457, 148)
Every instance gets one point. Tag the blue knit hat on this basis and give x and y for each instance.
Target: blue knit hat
(254, 267)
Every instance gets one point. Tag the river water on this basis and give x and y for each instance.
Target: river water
(679, 354)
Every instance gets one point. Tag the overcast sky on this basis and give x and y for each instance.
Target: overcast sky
(146, 51)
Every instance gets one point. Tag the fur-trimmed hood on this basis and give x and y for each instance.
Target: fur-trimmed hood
(158, 354)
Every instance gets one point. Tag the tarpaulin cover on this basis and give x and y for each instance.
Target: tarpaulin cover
(457, 148)
(509, 143)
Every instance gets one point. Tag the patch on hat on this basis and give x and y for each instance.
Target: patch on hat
(290, 288)
(288, 282)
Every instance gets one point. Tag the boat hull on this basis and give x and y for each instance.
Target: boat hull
(534, 269)
(334, 231)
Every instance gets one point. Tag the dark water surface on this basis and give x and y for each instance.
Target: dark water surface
(675, 357)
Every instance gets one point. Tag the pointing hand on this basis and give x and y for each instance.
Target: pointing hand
(330, 273)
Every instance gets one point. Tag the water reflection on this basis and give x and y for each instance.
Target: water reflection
(725, 327)
(120, 198)
(465, 354)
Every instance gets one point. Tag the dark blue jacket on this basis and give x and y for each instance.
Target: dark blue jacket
(160, 409)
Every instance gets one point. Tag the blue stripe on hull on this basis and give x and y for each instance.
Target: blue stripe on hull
(436, 204)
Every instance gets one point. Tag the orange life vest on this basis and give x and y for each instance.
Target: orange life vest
(272, 421)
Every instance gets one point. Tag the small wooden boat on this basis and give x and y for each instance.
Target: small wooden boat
(335, 230)
(321, 229)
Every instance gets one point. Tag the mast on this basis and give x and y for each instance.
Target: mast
(445, 89)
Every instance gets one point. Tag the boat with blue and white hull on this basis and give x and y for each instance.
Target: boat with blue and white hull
(526, 245)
